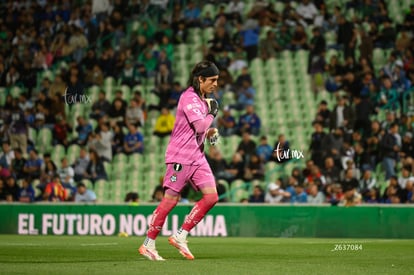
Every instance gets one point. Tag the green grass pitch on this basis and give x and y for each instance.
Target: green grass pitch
(118, 255)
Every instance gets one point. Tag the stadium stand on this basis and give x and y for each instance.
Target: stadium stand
(68, 59)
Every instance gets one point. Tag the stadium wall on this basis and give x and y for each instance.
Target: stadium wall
(223, 220)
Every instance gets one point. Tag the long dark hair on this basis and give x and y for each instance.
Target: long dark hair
(197, 71)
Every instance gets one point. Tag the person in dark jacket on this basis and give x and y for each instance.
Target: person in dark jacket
(390, 145)
(96, 169)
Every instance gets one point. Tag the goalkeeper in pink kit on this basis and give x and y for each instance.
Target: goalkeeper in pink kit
(186, 162)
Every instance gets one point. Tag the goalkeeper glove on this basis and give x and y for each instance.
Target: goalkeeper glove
(213, 106)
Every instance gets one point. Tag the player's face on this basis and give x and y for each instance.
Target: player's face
(208, 85)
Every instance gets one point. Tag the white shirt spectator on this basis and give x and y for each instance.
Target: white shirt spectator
(307, 11)
(275, 194)
(87, 196)
(100, 6)
(102, 144)
(66, 175)
(235, 7)
(402, 182)
(318, 199)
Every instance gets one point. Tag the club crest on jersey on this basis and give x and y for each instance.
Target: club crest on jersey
(173, 178)
(178, 167)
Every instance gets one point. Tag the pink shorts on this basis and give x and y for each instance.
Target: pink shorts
(178, 175)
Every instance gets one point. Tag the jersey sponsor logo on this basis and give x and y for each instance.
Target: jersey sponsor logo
(193, 106)
(178, 167)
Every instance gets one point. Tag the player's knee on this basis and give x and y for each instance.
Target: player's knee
(211, 199)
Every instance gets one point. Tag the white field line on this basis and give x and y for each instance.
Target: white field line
(98, 244)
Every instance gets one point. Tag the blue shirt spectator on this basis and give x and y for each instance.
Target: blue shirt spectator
(27, 193)
(300, 195)
(250, 121)
(245, 95)
(133, 141)
(33, 165)
(264, 150)
(83, 194)
(84, 129)
(226, 123)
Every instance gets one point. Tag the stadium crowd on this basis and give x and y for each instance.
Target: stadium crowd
(354, 157)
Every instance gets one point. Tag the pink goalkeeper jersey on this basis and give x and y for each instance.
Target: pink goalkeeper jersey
(185, 146)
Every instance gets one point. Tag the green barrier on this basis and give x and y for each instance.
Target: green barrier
(222, 220)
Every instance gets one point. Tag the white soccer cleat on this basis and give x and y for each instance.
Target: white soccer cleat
(182, 247)
(150, 253)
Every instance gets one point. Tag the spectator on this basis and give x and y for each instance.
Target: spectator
(323, 114)
(257, 196)
(300, 195)
(392, 192)
(245, 95)
(235, 169)
(101, 142)
(4, 172)
(84, 194)
(96, 169)
(226, 123)
(61, 132)
(27, 193)
(12, 190)
(349, 181)
(134, 114)
(250, 34)
(390, 146)
(55, 191)
(117, 112)
(218, 164)
(275, 194)
(330, 171)
(94, 76)
(18, 164)
(342, 115)
(388, 96)
(407, 147)
(7, 156)
(129, 75)
(174, 95)
(254, 169)
(192, 15)
(164, 123)
(247, 147)
(367, 183)
(317, 146)
(163, 86)
(264, 150)
(100, 107)
(83, 129)
(80, 164)
(133, 141)
(314, 195)
(307, 11)
(132, 198)
(117, 141)
(346, 36)
(33, 166)
(386, 38)
(249, 121)
(269, 46)
(17, 128)
(66, 174)
(299, 39)
(405, 176)
(351, 197)
(281, 149)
